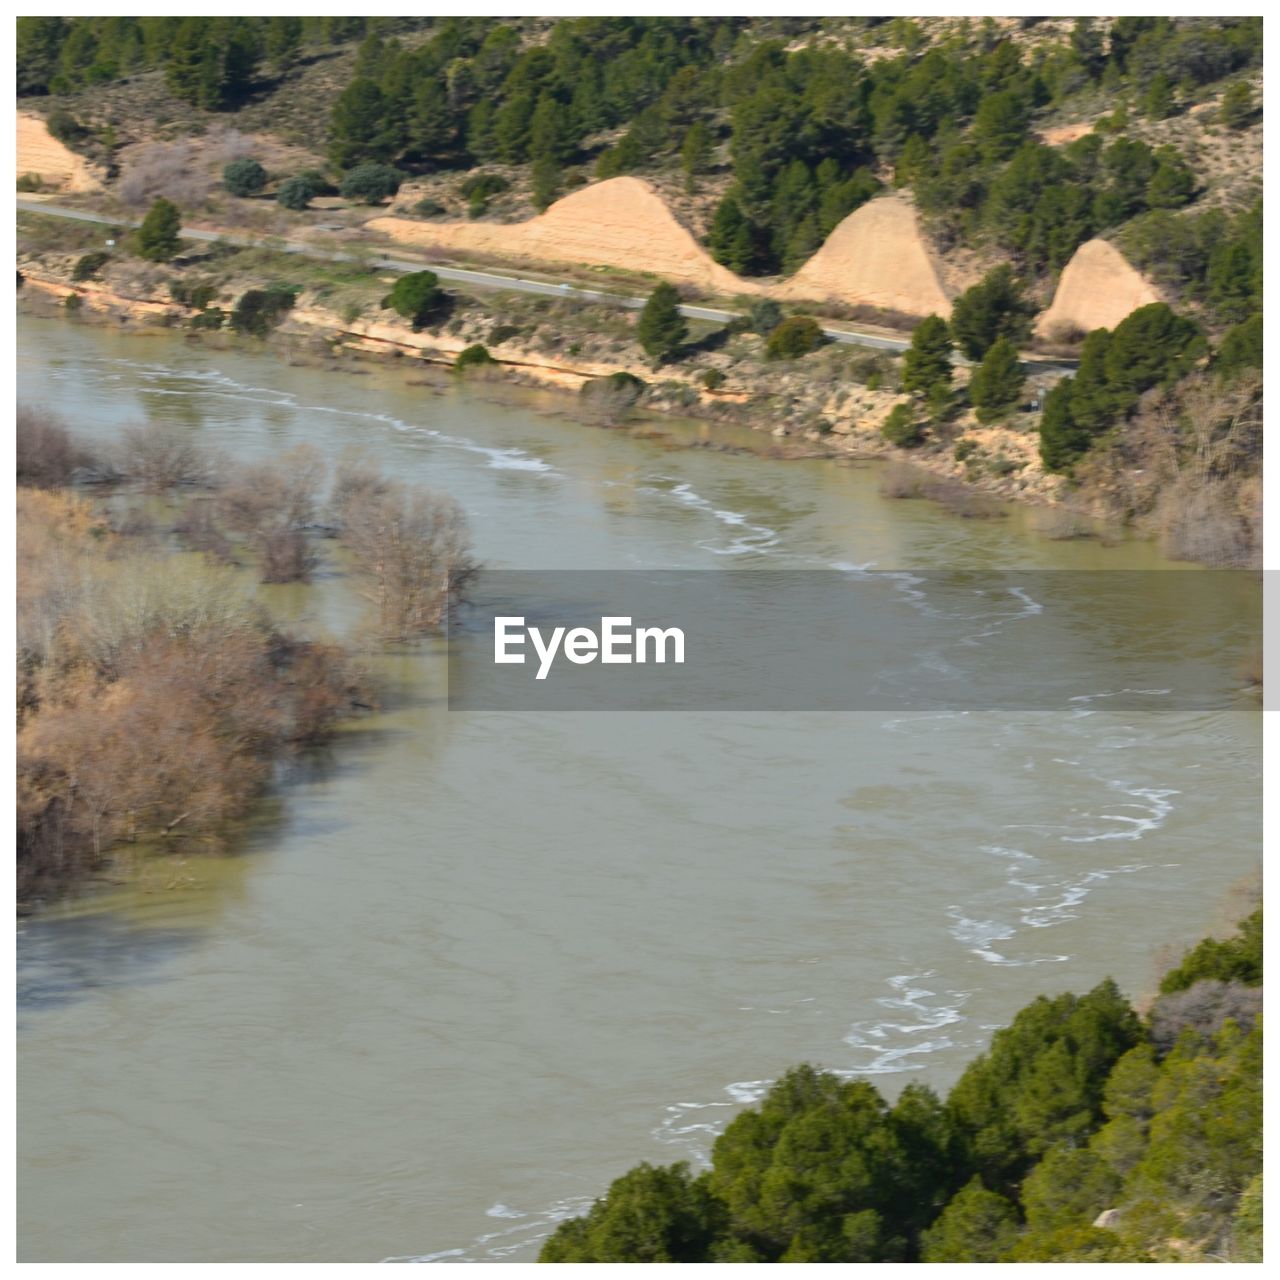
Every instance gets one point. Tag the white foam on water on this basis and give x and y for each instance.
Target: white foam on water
(753, 538)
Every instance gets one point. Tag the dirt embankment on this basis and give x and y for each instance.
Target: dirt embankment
(622, 223)
(40, 153)
(876, 257)
(1097, 289)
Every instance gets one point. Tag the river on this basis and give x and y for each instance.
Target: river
(465, 968)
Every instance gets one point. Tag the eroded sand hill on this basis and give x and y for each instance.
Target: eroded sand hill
(876, 257)
(41, 153)
(619, 223)
(1097, 289)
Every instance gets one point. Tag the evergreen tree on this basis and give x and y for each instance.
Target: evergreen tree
(1094, 406)
(1001, 125)
(416, 296)
(661, 330)
(927, 363)
(549, 136)
(994, 308)
(695, 154)
(546, 175)
(731, 239)
(158, 238)
(360, 127)
(1150, 345)
(1237, 108)
(996, 385)
(1157, 103)
(1241, 348)
(977, 1226)
(372, 183)
(244, 177)
(432, 129)
(282, 40)
(1062, 442)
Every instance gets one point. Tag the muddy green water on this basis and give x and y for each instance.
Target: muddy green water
(469, 967)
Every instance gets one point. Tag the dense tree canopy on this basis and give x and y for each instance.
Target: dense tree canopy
(1074, 1109)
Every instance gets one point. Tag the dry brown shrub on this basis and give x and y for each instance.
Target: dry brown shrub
(273, 506)
(46, 453)
(413, 550)
(169, 169)
(160, 456)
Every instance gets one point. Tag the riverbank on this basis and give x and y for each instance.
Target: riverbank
(831, 403)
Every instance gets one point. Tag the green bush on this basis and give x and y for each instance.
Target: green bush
(416, 296)
(211, 318)
(260, 310)
(661, 330)
(475, 356)
(796, 336)
(72, 302)
(158, 238)
(902, 427)
(713, 379)
(479, 188)
(964, 450)
(428, 208)
(297, 193)
(193, 293)
(28, 182)
(764, 316)
(244, 177)
(372, 183)
(1238, 959)
(88, 266)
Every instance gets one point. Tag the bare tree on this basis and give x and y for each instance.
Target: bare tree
(414, 550)
(46, 453)
(159, 456)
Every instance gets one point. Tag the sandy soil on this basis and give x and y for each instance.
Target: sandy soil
(1061, 134)
(39, 152)
(620, 223)
(876, 257)
(1097, 289)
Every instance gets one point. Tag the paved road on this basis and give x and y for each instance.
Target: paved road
(483, 279)
(497, 280)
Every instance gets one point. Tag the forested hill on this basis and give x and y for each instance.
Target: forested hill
(781, 126)
(1085, 1134)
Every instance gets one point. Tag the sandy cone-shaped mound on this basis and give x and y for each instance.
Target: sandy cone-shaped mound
(40, 152)
(1096, 290)
(876, 257)
(619, 223)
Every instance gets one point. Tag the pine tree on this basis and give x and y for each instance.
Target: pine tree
(662, 330)
(994, 308)
(996, 385)
(432, 130)
(1061, 440)
(549, 131)
(695, 154)
(1157, 103)
(546, 175)
(416, 296)
(282, 41)
(158, 238)
(1237, 107)
(928, 360)
(1241, 347)
(731, 239)
(977, 1226)
(1093, 404)
(360, 127)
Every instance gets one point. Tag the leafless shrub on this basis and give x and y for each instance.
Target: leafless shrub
(413, 549)
(1062, 524)
(901, 480)
(608, 401)
(1200, 520)
(169, 169)
(198, 529)
(1203, 1007)
(46, 453)
(272, 506)
(159, 456)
